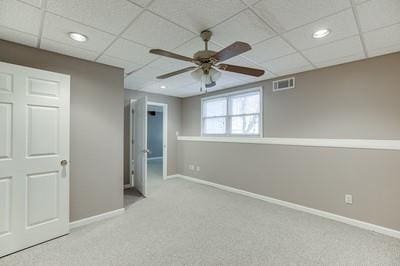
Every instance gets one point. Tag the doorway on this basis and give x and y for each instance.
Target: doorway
(148, 134)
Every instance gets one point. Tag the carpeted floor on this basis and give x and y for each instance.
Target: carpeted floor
(184, 223)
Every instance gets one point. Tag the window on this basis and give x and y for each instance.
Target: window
(233, 114)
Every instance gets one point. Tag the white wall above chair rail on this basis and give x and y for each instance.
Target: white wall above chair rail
(334, 143)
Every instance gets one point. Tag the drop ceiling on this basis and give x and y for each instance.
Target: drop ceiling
(121, 32)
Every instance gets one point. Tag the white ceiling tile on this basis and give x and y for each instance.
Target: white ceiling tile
(133, 83)
(341, 60)
(378, 13)
(57, 28)
(148, 73)
(36, 3)
(18, 37)
(169, 64)
(161, 34)
(245, 27)
(269, 49)
(113, 61)
(67, 49)
(288, 64)
(195, 45)
(197, 15)
(251, 2)
(284, 15)
(108, 15)
(342, 25)
(357, 2)
(335, 51)
(130, 51)
(142, 3)
(383, 41)
(20, 16)
(177, 81)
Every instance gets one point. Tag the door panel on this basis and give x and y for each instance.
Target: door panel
(5, 130)
(34, 138)
(5, 190)
(42, 195)
(140, 143)
(42, 130)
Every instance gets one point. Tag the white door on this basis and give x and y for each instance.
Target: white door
(34, 152)
(140, 145)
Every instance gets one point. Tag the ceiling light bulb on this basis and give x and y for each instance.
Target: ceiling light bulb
(162, 87)
(321, 33)
(78, 37)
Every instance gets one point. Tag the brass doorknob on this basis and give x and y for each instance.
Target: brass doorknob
(64, 162)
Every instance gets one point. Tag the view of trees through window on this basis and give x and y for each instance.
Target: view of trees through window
(234, 114)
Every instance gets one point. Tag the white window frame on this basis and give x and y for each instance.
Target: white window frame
(229, 116)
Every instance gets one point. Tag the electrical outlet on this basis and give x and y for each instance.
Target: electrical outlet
(348, 199)
(198, 168)
(191, 167)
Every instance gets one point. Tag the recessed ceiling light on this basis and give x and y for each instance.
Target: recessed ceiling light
(321, 33)
(162, 87)
(78, 37)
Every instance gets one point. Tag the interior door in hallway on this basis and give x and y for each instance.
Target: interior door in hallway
(34, 155)
(140, 145)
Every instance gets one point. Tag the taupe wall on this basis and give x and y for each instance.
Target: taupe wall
(174, 125)
(310, 176)
(96, 140)
(357, 100)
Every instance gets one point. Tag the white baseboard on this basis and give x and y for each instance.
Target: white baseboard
(154, 158)
(328, 215)
(127, 186)
(171, 176)
(96, 218)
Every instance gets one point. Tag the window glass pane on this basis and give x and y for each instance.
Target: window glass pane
(248, 103)
(215, 125)
(214, 107)
(246, 125)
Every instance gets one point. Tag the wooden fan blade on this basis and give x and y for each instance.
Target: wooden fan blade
(232, 50)
(242, 70)
(171, 55)
(176, 72)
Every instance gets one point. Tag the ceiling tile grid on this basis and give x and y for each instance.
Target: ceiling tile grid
(62, 48)
(154, 31)
(376, 14)
(288, 64)
(245, 27)
(285, 15)
(383, 41)
(341, 25)
(197, 15)
(56, 28)
(19, 16)
(111, 16)
(335, 52)
(121, 33)
(269, 49)
(18, 36)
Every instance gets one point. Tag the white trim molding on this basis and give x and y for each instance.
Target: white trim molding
(328, 215)
(96, 218)
(332, 143)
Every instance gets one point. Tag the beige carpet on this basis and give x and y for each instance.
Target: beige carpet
(184, 223)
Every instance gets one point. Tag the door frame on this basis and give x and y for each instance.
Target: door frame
(165, 138)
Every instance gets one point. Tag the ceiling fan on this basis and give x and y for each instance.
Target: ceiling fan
(208, 62)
